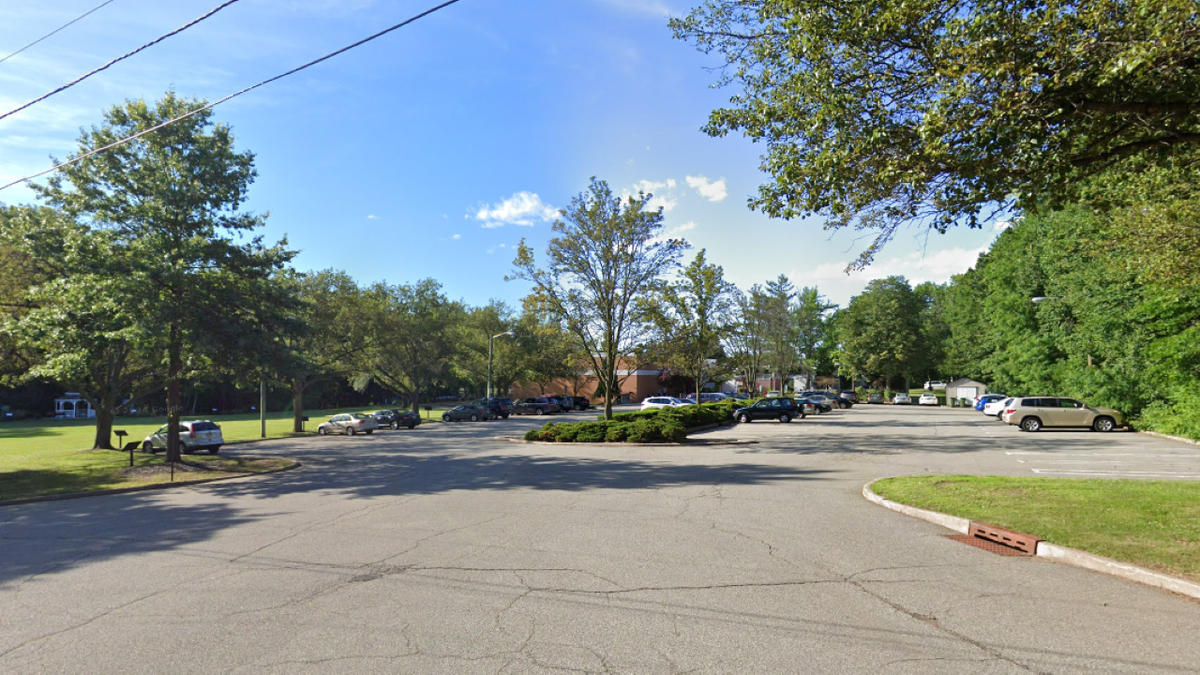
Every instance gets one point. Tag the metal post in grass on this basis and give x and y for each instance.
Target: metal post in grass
(121, 434)
(262, 407)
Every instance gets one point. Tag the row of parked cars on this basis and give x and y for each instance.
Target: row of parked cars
(1033, 413)
(787, 408)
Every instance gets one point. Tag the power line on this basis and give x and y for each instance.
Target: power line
(214, 104)
(85, 76)
(2, 60)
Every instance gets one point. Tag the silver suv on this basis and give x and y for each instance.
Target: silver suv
(194, 435)
(1031, 413)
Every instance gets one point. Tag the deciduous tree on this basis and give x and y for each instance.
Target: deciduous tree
(608, 252)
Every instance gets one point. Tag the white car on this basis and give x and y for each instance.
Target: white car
(663, 402)
(934, 385)
(995, 408)
(927, 399)
(901, 399)
(193, 435)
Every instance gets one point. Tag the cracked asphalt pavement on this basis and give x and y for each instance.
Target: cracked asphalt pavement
(448, 549)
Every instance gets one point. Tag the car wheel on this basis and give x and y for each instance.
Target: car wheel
(1031, 424)
(474, 418)
(411, 427)
(350, 431)
(395, 425)
(785, 418)
(445, 418)
(539, 411)
(369, 432)
(504, 416)
(322, 431)
(148, 447)
(744, 418)
(1104, 424)
(214, 449)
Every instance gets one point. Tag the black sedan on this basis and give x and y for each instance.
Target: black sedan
(395, 419)
(467, 411)
(783, 409)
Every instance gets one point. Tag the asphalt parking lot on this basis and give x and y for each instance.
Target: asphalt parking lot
(451, 548)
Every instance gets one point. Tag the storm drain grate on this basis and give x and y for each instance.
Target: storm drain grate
(998, 549)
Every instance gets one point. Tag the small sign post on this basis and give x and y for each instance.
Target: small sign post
(121, 434)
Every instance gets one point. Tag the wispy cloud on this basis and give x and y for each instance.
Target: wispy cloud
(372, 216)
(456, 237)
(661, 191)
(712, 190)
(523, 208)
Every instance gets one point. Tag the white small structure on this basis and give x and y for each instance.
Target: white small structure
(964, 389)
(73, 406)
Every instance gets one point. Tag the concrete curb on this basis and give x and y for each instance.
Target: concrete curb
(140, 488)
(1045, 549)
(1170, 438)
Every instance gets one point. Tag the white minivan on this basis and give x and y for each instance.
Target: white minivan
(194, 435)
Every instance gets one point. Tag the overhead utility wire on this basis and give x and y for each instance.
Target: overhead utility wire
(214, 104)
(85, 76)
(56, 30)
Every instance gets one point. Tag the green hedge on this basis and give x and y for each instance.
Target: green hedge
(660, 425)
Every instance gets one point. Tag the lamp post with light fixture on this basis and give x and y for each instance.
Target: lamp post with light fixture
(489, 381)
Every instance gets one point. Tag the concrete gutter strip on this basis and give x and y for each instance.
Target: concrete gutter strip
(1119, 569)
(960, 525)
(1045, 549)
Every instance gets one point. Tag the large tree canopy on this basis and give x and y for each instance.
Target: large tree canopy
(877, 114)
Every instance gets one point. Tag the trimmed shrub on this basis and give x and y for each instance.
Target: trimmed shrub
(616, 432)
(591, 432)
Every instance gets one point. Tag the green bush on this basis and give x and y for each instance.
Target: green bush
(566, 433)
(1178, 417)
(615, 432)
(591, 432)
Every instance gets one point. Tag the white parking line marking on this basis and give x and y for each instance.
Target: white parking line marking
(1101, 454)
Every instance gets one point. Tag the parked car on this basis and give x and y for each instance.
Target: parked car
(468, 411)
(395, 419)
(874, 397)
(561, 403)
(1031, 413)
(348, 424)
(901, 399)
(934, 385)
(782, 409)
(705, 397)
(849, 395)
(774, 394)
(981, 401)
(651, 402)
(928, 399)
(740, 396)
(805, 406)
(581, 402)
(996, 408)
(534, 405)
(193, 435)
(822, 403)
(501, 407)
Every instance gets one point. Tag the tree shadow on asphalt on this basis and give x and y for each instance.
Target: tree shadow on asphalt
(400, 472)
(44, 538)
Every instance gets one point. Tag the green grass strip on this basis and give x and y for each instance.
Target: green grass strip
(1153, 524)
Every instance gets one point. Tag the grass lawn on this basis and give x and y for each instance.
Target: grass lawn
(45, 457)
(1153, 524)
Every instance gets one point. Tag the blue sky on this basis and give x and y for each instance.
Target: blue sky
(432, 151)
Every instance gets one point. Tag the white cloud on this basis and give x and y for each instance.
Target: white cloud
(523, 208)
(713, 191)
(917, 267)
(456, 236)
(372, 216)
(1002, 225)
(675, 232)
(660, 192)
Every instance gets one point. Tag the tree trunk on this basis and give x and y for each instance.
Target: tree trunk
(104, 426)
(297, 405)
(174, 387)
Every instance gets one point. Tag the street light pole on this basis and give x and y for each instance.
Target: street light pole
(490, 341)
